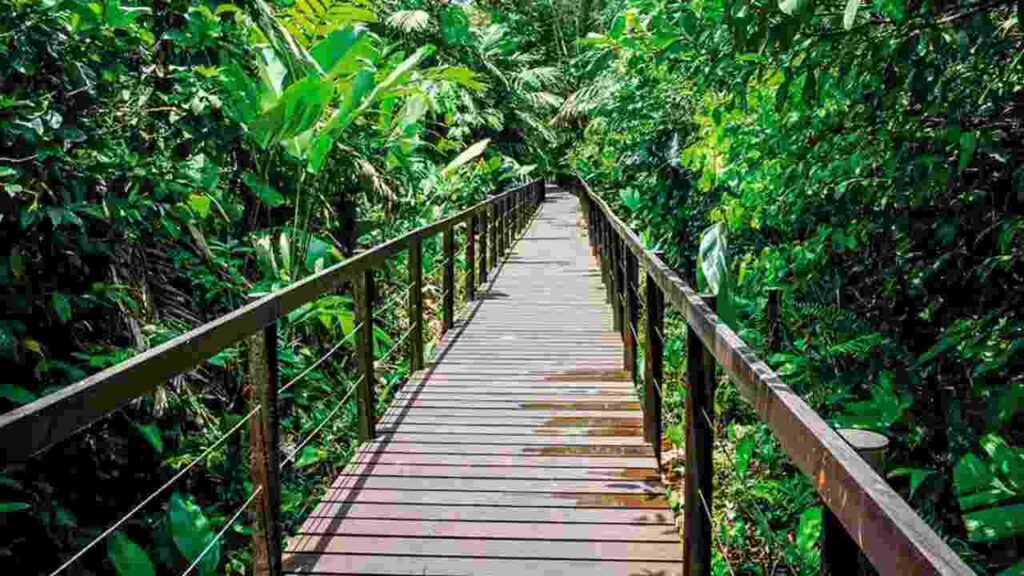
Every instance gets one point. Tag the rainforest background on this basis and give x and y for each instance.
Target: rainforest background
(162, 162)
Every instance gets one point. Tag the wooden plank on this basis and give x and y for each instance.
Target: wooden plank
(500, 499)
(482, 548)
(470, 447)
(319, 526)
(418, 566)
(608, 516)
(508, 472)
(504, 462)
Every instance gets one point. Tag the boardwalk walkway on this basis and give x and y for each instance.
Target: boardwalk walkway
(517, 451)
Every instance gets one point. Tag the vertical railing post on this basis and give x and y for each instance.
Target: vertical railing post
(700, 413)
(416, 303)
(366, 390)
(499, 210)
(265, 450)
(607, 260)
(654, 364)
(617, 276)
(631, 312)
(448, 284)
(773, 320)
(494, 226)
(471, 258)
(483, 246)
(840, 553)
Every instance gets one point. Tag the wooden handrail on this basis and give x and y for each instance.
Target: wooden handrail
(892, 536)
(34, 427)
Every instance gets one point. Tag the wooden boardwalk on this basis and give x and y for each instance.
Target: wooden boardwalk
(518, 450)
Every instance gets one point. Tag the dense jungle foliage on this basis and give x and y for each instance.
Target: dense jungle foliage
(865, 158)
(162, 162)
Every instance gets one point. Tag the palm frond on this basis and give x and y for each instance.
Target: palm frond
(408, 21)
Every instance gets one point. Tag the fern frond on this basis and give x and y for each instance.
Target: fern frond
(409, 20)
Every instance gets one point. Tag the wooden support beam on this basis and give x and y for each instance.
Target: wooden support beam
(631, 311)
(483, 246)
(416, 305)
(471, 259)
(265, 450)
(366, 390)
(654, 366)
(697, 484)
(448, 281)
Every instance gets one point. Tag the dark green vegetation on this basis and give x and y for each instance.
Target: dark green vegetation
(867, 160)
(162, 162)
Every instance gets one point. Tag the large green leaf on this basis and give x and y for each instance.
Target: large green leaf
(16, 394)
(995, 523)
(300, 106)
(850, 13)
(192, 533)
(128, 558)
(341, 51)
(467, 155)
(713, 256)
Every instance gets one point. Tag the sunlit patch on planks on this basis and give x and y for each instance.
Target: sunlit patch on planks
(518, 451)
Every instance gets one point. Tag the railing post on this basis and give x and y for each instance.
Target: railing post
(416, 303)
(448, 284)
(700, 413)
(654, 364)
(631, 313)
(483, 246)
(840, 553)
(265, 450)
(494, 226)
(471, 258)
(499, 212)
(617, 276)
(366, 390)
(773, 321)
(607, 261)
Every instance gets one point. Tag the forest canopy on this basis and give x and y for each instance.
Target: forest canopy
(163, 162)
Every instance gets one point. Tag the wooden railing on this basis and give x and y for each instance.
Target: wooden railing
(876, 520)
(490, 229)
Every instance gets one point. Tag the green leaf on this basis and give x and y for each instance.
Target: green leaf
(995, 523)
(917, 476)
(200, 204)
(16, 394)
(713, 256)
(8, 507)
(971, 475)
(809, 529)
(151, 433)
(298, 109)
(455, 26)
(1008, 460)
(467, 155)
(968, 143)
(850, 14)
(744, 452)
(62, 306)
(310, 455)
(191, 533)
(319, 151)
(128, 558)
(340, 52)
(263, 190)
